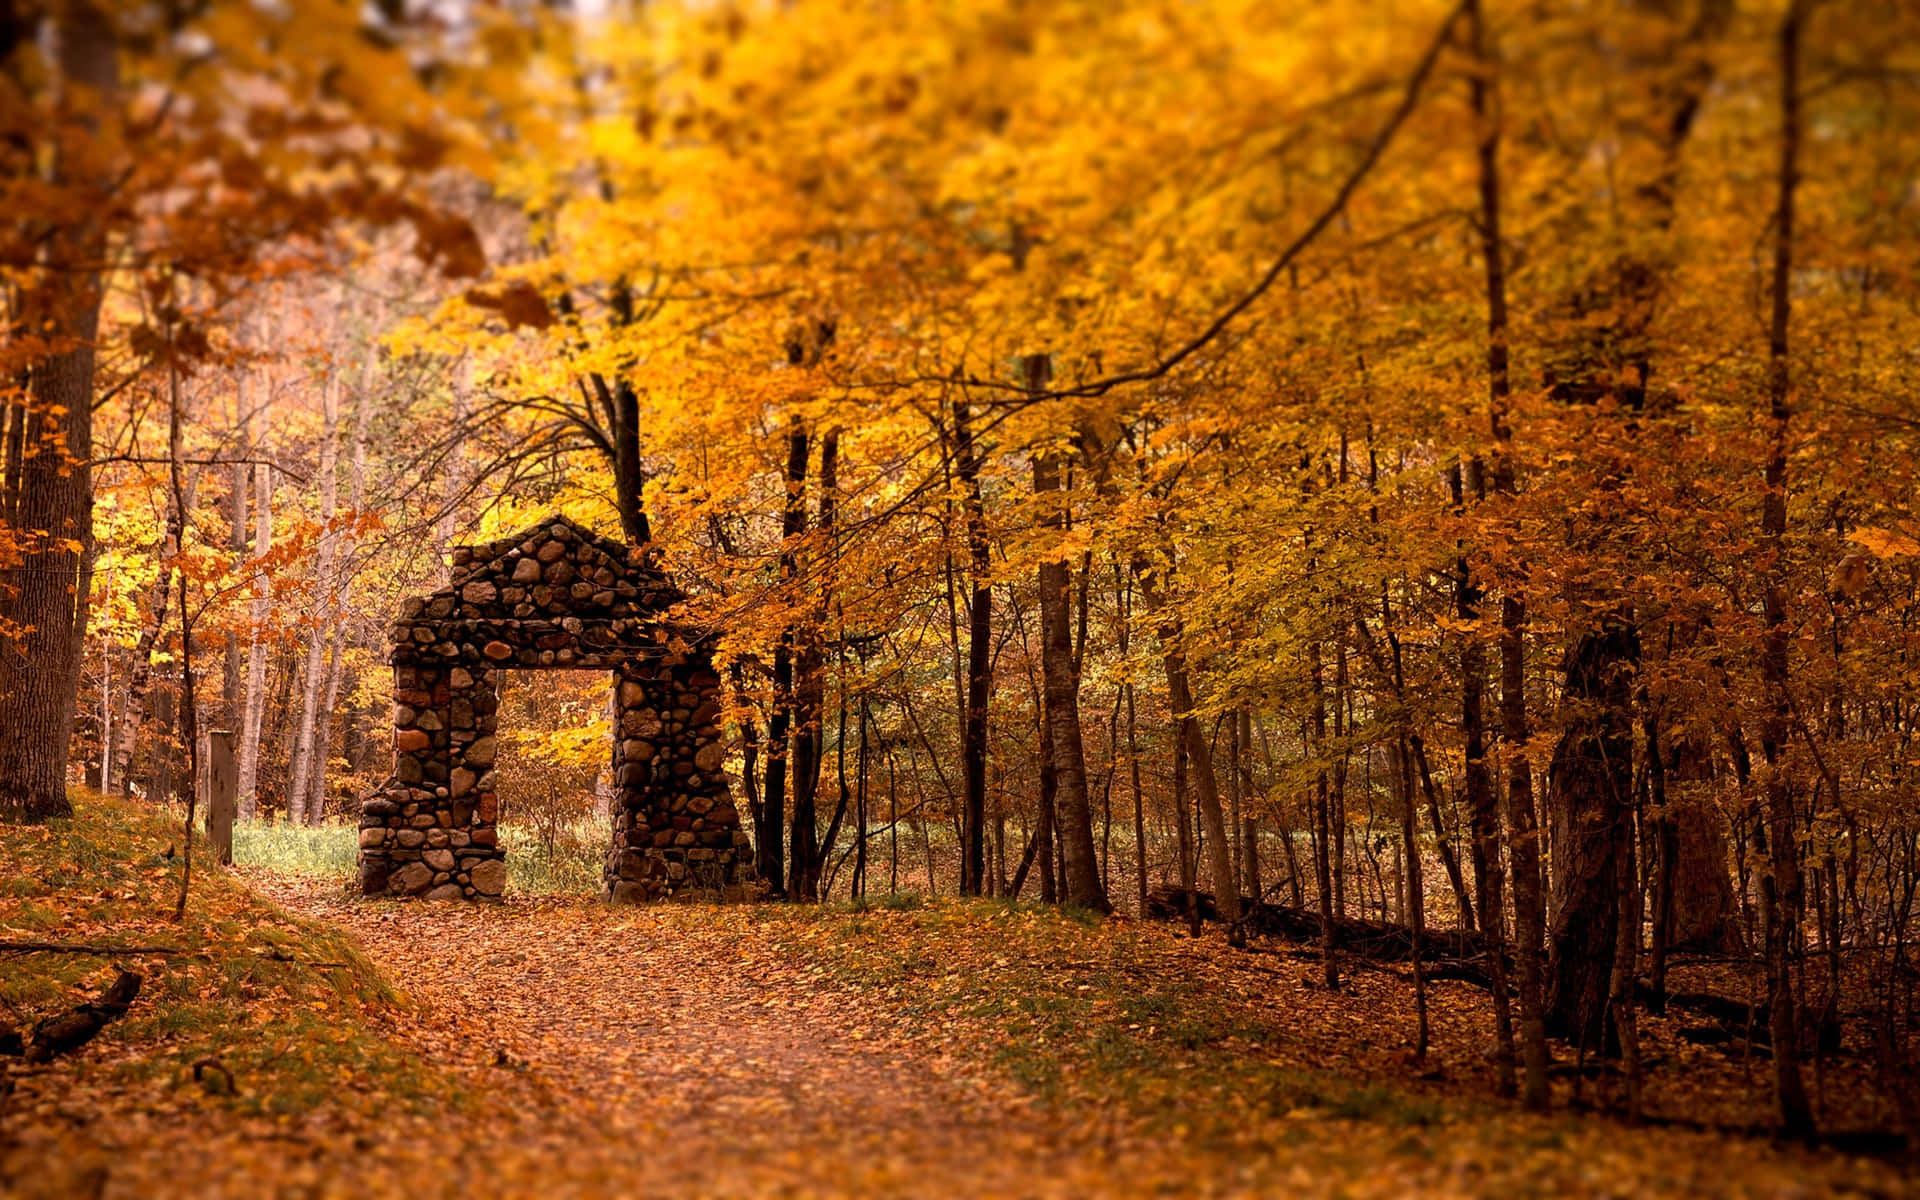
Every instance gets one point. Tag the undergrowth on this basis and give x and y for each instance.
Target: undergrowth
(273, 1013)
(571, 865)
(1078, 1014)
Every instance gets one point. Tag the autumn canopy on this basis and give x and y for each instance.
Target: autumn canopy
(1422, 491)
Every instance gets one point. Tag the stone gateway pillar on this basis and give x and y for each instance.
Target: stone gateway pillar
(556, 597)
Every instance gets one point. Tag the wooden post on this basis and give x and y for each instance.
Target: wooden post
(1250, 851)
(223, 794)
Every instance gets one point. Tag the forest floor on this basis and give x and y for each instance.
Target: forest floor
(561, 1047)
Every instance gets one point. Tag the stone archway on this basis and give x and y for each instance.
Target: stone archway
(556, 596)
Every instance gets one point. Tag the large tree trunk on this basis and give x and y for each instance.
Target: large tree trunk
(1591, 789)
(1705, 915)
(43, 605)
(1608, 356)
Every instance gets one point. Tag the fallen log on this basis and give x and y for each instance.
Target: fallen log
(108, 950)
(1378, 940)
(77, 1026)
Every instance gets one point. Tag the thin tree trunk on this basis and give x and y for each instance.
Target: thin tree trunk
(979, 653)
(1780, 889)
(1323, 848)
(1416, 898)
(238, 483)
(339, 592)
(1523, 846)
(320, 757)
(1489, 878)
(810, 699)
(1666, 840)
(257, 653)
(859, 887)
(770, 860)
(1626, 963)
(1189, 864)
(300, 789)
(1219, 845)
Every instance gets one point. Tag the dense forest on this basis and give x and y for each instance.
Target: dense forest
(1415, 499)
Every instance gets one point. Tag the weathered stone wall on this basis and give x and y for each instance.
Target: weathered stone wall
(555, 596)
(430, 831)
(673, 821)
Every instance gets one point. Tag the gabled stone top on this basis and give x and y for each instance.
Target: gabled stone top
(548, 571)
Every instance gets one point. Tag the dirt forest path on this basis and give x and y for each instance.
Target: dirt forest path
(631, 1052)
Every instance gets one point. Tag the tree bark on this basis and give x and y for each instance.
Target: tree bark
(300, 789)
(254, 717)
(1323, 847)
(1219, 845)
(810, 700)
(1073, 810)
(44, 600)
(1591, 782)
(769, 858)
(979, 656)
(1780, 888)
(1523, 846)
(1608, 356)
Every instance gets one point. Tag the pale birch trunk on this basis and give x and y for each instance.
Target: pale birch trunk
(314, 680)
(339, 594)
(256, 701)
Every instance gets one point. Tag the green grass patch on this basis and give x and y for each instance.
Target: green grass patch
(289, 1007)
(571, 865)
(326, 851)
(1077, 1012)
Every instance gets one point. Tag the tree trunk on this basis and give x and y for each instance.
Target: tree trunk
(1189, 865)
(1626, 968)
(1780, 889)
(1219, 845)
(231, 696)
(1073, 811)
(339, 593)
(46, 595)
(810, 700)
(1323, 849)
(320, 757)
(979, 656)
(769, 859)
(253, 719)
(1416, 898)
(1483, 811)
(314, 683)
(1591, 785)
(1523, 845)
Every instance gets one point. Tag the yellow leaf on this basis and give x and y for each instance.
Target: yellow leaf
(1885, 543)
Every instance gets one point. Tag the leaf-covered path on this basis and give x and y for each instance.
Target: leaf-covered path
(756, 1051)
(666, 1056)
(563, 1048)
